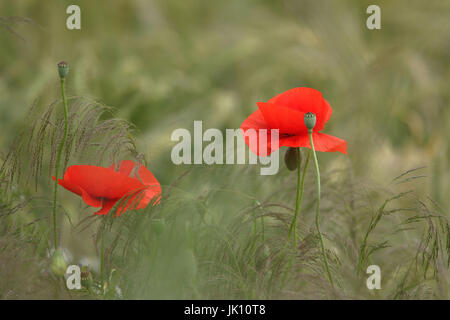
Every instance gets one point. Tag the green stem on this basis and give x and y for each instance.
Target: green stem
(316, 164)
(299, 197)
(255, 227)
(58, 160)
(102, 258)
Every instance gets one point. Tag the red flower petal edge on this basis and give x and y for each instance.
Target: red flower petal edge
(129, 184)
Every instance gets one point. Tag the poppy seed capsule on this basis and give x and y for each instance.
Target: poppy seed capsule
(58, 264)
(310, 120)
(63, 69)
(291, 158)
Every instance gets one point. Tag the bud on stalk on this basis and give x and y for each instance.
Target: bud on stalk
(292, 157)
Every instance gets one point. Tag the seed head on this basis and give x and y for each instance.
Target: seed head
(63, 69)
(310, 120)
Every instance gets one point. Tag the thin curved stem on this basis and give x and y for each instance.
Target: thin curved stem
(299, 197)
(58, 160)
(298, 202)
(102, 258)
(316, 164)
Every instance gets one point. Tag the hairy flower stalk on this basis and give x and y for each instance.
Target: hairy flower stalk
(299, 194)
(298, 198)
(63, 70)
(310, 122)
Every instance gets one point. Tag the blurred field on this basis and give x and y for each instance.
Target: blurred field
(163, 64)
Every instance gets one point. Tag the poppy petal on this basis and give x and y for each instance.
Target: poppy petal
(322, 142)
(133, 202)
(100, 182)
(327, 143)
(254, 128)
(103, 187)
(254, 121)
(139, 200)
(327, 113)
(144, 175)
(250, 129)
(90, 200)
(124, 167)
(287, 120)
(142, 197)
(148, 178)
(305, 100)
(106, 206)
(69, 186)
(87, 198)
(296, 141)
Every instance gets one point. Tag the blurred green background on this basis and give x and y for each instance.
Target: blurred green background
(165, 63)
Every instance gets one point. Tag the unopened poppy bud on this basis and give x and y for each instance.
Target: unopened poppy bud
(291, 158)
(86, 277)
(310, 120)
(58, 264)
(63, 69)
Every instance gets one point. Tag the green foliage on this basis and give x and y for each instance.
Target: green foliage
(220, 232)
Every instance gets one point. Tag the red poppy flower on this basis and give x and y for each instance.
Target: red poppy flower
(285, 112)
(103, 187)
